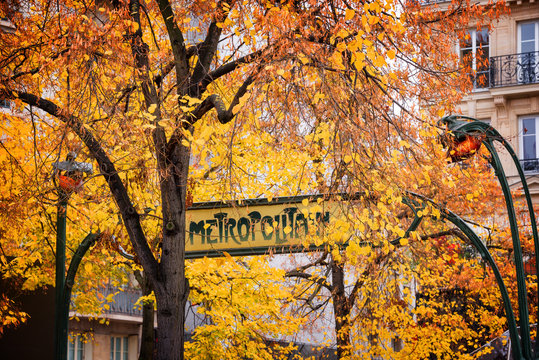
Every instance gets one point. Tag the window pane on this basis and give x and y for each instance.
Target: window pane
(80, 349)
(71, 351)
(481, 80)
(466, 57)
(529, 147)
(482, 38)
(527, 46)
(528, 126)
(466, 53)
(528, 131)
(527, 32)
(527, 37)
(482, 60)
(111, 348)
(118, 348)
(467, 41)
(125, 349)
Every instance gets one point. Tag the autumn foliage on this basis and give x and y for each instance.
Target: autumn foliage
(180, 101)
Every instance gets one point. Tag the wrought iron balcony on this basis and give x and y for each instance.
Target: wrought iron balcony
(124, 301)
(516, 69)
(530, 165)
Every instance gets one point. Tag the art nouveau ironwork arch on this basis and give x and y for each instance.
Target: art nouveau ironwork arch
(463, 137)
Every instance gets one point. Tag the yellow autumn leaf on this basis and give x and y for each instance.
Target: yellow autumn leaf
(317, 97)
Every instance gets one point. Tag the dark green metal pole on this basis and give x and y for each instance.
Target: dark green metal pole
(473, 127)
(485, 254)
(533, 222)
(64, 284)
(517, 252)
(83, 247)
(66, 170)
(60, 334)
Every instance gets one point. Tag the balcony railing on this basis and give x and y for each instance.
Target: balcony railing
(530, 165)
(124, 301)
(516, 69)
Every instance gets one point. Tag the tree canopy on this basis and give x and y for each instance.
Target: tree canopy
(182, 101)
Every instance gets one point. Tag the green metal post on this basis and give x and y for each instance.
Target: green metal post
(532, 221)
(83, 247)
(518, 351)
(60, 334)
(517, 251)
(70, 169)
(485, 254)
(474, 127)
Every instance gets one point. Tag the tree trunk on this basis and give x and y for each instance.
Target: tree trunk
(341, 311)
(172, 288)
(147, 343)
(170, 327)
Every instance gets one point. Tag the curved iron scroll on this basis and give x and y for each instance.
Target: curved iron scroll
(418, 202)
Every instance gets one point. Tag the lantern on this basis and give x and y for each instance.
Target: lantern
(465, 147)
(70, 173)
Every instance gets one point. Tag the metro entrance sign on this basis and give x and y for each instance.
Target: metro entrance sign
(254, 227)
(257, 226)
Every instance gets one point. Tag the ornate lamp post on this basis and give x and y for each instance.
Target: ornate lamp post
(463, 138)
(70, 174)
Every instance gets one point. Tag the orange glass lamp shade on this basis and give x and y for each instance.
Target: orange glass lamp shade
(69, 184)
(465, 147)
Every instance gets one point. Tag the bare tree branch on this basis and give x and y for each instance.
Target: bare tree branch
(310, 277)
(228, 68)
(129, 214)
(177, 44)
(209, 48)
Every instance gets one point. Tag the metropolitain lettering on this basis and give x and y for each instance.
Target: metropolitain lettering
(230, 230)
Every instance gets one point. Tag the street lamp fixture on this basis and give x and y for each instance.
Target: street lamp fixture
(70, 178)
(463, 147)
(70, 173)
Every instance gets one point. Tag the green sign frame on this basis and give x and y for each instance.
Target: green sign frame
(258, 226)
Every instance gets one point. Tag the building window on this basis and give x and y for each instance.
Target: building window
(118, 347)
(474, 53)
(528, 49)
(397, 344)
(75, 348)
(529, 126)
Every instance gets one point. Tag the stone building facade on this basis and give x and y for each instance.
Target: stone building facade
(506, 91)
